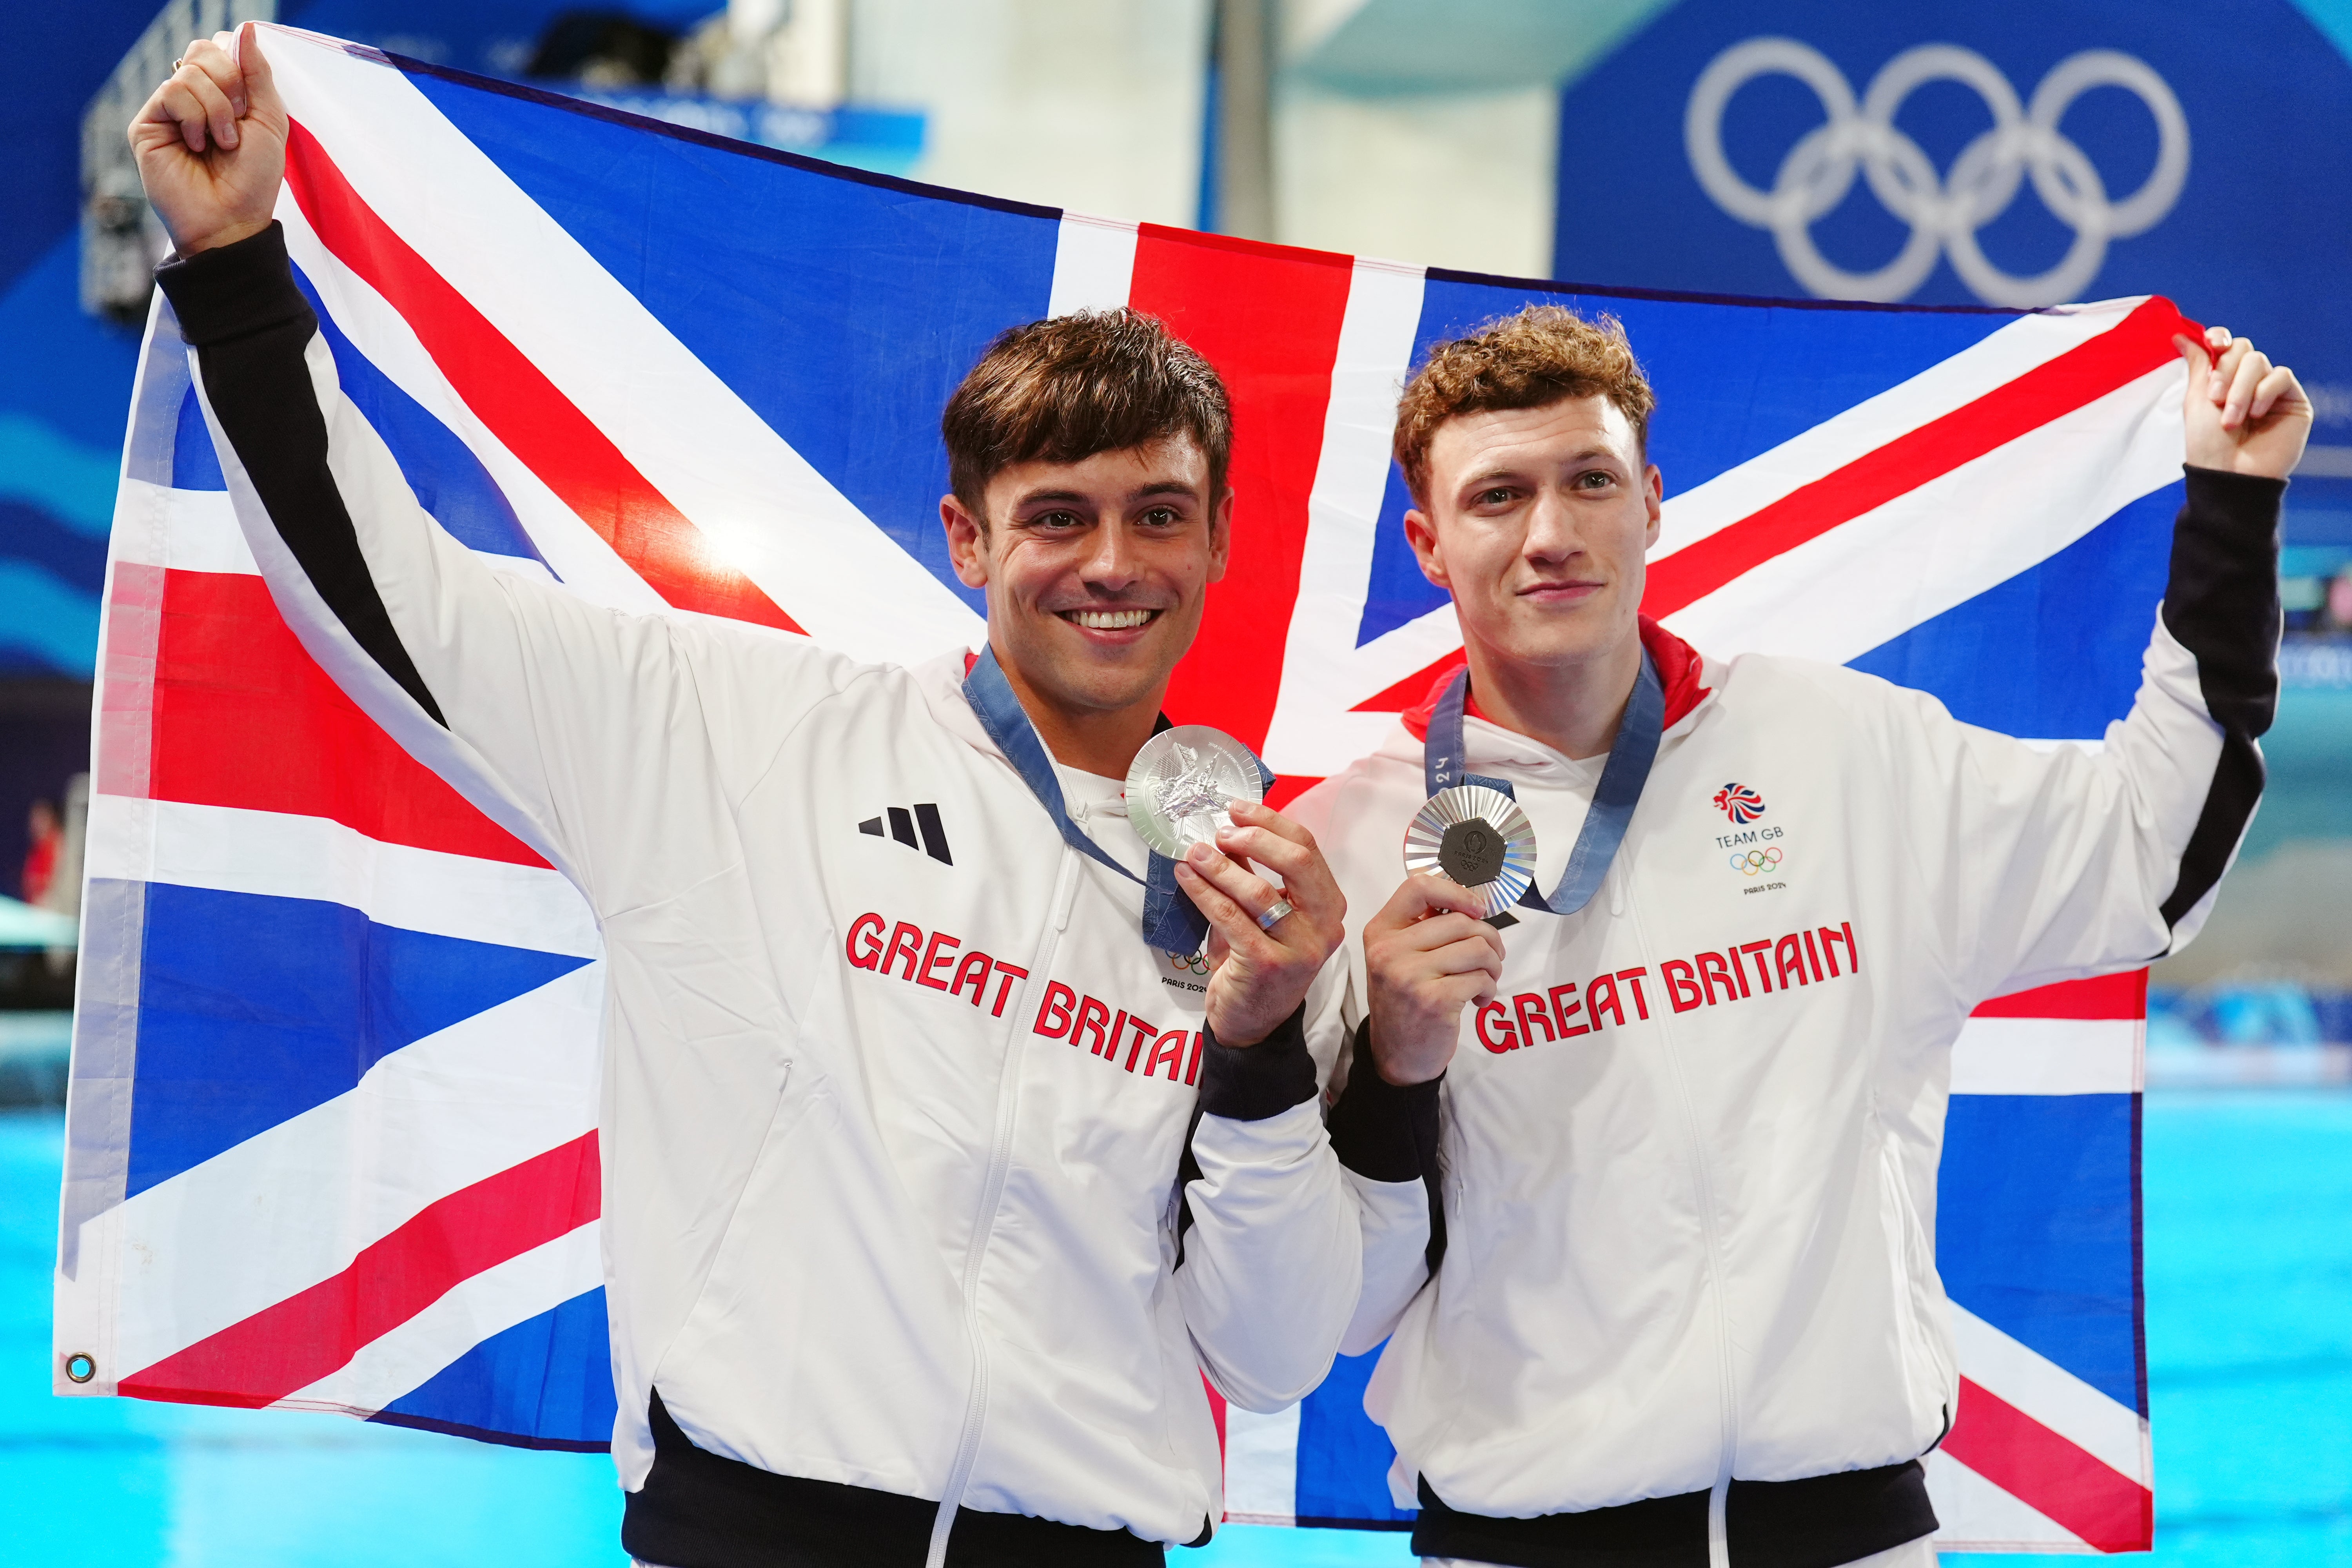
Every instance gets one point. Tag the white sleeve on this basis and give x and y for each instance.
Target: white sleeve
(2066, 862)
(1270, 1260)
(1387, 1140)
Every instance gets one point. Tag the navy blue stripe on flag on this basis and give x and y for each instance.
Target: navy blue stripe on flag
(448, 480)
(1343, 1454)
(1734, 380)
(841, 311)
(2046, 654)
(2036, 1228)
(254, 1009)
(549, 1376)
(194, 465)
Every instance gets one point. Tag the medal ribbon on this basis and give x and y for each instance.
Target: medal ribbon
(1172, 922)
(1444, 760)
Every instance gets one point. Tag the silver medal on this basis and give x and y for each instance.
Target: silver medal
(1480, 838)
(1182, 786)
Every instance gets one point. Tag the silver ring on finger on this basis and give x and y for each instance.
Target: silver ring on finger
(178, 63)
(1267, 921)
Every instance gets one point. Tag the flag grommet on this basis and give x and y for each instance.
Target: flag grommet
(81, 1367)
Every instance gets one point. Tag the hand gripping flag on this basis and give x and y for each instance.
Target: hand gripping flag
(332, 1133)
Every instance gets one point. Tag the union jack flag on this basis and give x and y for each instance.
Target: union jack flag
(332, 1135)
(1739, 803)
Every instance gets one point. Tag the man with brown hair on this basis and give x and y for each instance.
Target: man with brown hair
(933, 1178)
(1674, 1298)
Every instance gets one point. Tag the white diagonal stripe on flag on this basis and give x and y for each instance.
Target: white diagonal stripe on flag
(1974, 1515)
(281, 855)
(2014, 1372)
(293, 1206)
(677, 423)
(1980, 525)
(588, 565)
(1949, 384)
(489, 1304)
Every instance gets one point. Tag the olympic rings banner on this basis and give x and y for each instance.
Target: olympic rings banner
(2018, 153)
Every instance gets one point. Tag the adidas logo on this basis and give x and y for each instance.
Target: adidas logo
(904, 826)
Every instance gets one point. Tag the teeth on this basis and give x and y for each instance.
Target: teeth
(1111, 620)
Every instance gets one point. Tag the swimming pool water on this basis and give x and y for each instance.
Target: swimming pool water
(2249, 1261)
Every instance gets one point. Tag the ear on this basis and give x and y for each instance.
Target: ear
(1422, 534)
(1221, 536)
(1654, 484)
(967, 542)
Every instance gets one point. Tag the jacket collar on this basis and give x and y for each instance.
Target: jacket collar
(1680, 671)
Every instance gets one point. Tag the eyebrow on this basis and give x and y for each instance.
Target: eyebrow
(1068, 498)
(1507, 471)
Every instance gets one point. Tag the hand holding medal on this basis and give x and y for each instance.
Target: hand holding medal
(1194, 794)
(1480, 838)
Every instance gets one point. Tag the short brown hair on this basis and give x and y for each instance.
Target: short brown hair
(1542, 354)
(1062, 390)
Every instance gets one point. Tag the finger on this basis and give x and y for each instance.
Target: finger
(2277, 389)
(2193, 356)
(1472, 954)
(218, 66)
(1440, 930)
(1227, 918)
(178, 102)
(1257, 813)
(1306, 879)
(260, 87)
(220, 118)
(1237, 883)
(1416, 898)
(2246, 375)
(2225, 365)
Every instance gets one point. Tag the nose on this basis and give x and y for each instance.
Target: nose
(1112, 564)
(1551, 529)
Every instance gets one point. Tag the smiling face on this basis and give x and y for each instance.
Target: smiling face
(1536, 523)
(1096, 573)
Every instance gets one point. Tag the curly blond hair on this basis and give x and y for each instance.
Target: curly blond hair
(1541, 356)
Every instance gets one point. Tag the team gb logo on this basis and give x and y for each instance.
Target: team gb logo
(1739, 803)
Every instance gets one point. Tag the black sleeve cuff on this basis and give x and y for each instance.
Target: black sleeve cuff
(2221, 597)
(1250, 1083)
(1379, 1129)
(235, 291)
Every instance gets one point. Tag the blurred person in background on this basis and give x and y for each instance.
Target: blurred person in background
(45, 832)
(1672, 1299)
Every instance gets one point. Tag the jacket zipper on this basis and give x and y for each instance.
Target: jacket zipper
(1000, 1164)
(1719, 1548)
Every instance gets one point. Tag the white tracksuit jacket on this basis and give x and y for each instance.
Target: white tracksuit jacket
(892, 1120)
(1687, 1160)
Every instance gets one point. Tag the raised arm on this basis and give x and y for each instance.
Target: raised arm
(2072, 863)
(584, 728)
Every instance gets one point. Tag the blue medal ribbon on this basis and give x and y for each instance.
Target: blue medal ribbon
(1444, 764)
(1172, 922)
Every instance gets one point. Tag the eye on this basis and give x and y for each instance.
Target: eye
(1496, 497)
(1595, 479)
(1055, 520)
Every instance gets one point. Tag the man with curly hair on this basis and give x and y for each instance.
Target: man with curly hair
(1674, 1296)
